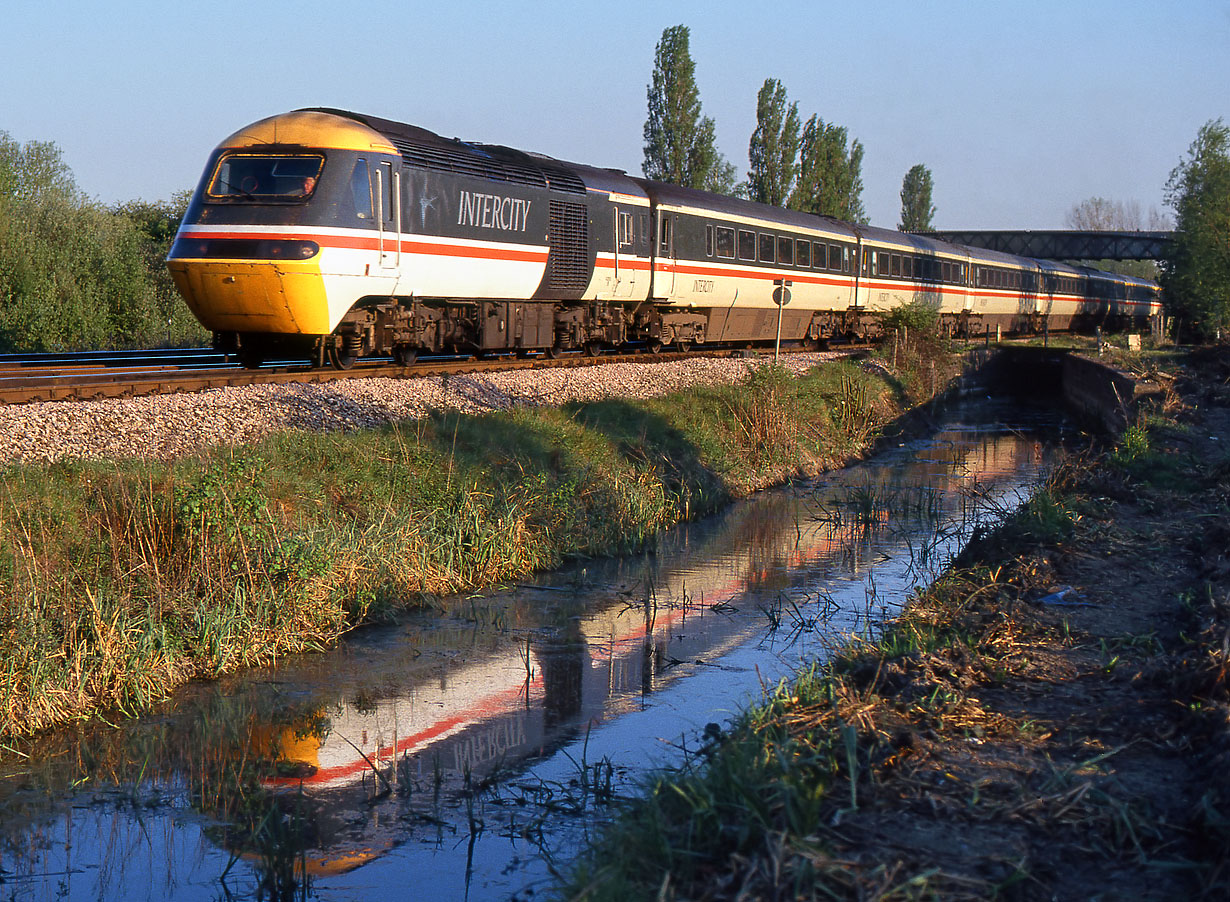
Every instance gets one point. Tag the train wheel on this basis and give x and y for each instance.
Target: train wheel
(340, 359)
(683, 346)
(654, 346)
(555, 352)
(250, 358)
(592, 349)
(405, 355)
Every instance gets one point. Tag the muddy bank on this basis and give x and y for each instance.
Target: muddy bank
(1048, 721)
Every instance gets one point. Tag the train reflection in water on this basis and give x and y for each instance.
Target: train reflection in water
(624, 630)
(447, 751)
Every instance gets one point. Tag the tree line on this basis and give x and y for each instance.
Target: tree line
(78, 275)
(815, 167)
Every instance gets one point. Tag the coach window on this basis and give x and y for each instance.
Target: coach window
(785, 250)
(747, 245)
(361, 190)
(625, 229)
(766, 248)
(802, 253)
(836, 257)
(664, 235)
(725, 242)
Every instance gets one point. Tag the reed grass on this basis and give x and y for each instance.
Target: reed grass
(123, 579)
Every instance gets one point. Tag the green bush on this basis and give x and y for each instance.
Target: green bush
(75, 275)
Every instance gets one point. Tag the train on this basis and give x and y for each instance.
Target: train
(330, 236)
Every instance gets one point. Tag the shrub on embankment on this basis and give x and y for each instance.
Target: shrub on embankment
(76, 275)
(123, 579)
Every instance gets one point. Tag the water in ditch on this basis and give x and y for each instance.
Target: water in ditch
(467, 751)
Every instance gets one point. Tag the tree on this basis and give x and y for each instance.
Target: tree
(1196, 268)
(917, 210)
(680, 143)
(1097, 214)
(830, 180)
(34, 169)
(774, 147)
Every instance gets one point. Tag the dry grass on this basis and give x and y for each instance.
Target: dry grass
(988, 745)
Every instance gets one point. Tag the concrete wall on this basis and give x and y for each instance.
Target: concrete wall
(1104, 397)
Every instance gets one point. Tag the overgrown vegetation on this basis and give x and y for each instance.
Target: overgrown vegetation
(121, 580)
(75, 275)
(1004, 721)
(1196, 270)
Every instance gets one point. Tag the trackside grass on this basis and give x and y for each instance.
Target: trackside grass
(123, 579)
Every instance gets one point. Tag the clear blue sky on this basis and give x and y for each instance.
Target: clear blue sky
(1020, 110)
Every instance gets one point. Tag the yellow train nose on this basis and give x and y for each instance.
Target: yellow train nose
(237, 296)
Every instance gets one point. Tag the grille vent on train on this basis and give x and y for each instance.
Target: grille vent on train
(561, 179)
(568, 260)
(465, 161)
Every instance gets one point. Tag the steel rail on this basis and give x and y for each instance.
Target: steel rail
(78, 382)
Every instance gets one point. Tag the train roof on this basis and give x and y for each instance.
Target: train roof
(738, 208)
(490, 161)
(310, 128)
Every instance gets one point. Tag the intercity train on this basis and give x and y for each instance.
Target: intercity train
(330, 236)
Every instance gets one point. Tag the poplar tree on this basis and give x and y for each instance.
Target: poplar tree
(917, 210)
(830, 180)
(1196, 268)
(774, 147)
(680, 143)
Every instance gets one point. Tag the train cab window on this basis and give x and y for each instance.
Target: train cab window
(766, 248)
(247, 178)
(785, 250)
(725, 242)
(361, 190)
(708, 241)
(747, 245)
(802, 253)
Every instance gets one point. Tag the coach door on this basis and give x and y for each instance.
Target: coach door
(388, 202)
(625, 254)
(664, 278)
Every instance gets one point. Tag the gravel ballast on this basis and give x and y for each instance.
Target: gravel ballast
(168, 426)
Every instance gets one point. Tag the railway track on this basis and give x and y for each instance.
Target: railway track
(26, 379)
